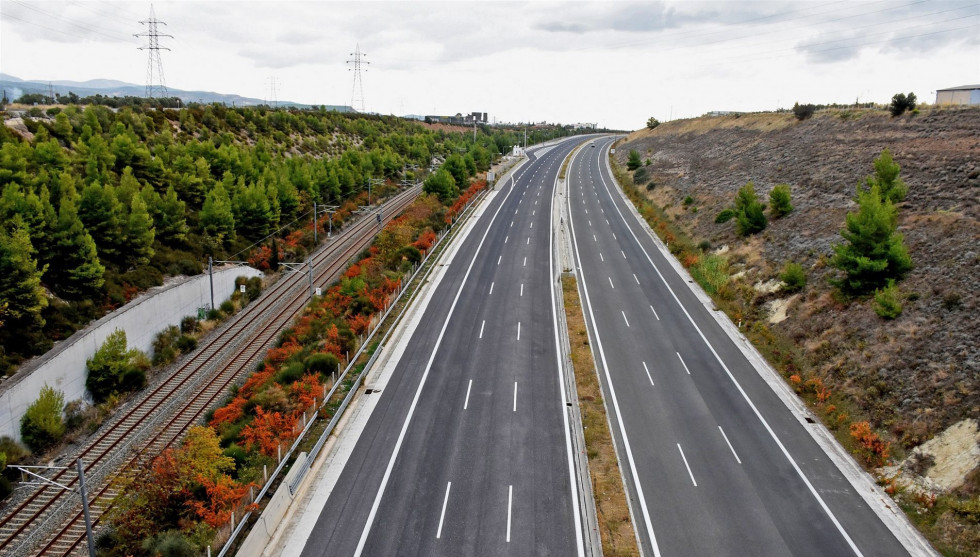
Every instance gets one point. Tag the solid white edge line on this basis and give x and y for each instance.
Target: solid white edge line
(418, 392)
(576, 511)
(738, 460)
(646, 369)
(682, 362)
(799, 471)
(612, 395)
(442, 515)
(510, 504)
(686, 465)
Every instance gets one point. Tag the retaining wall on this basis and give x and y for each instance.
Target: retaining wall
(63, 367)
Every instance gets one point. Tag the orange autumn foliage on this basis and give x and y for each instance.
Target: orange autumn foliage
(224, 495)
(267, 431)
(874, 449)
(425, 240)
(306, 391)
(230, 412)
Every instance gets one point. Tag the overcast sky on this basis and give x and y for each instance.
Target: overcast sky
(614, 63)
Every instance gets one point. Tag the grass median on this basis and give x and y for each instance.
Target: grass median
(612, 510)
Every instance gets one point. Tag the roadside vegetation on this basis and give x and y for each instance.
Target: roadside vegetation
(249, 433)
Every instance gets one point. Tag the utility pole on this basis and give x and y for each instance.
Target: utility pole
(155, 83)
(357, 92)
(298, 267)
(317, 211)
(37, 479)
(211, 263)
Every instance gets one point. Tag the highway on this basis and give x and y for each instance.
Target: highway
(715, 463)
(468, 449)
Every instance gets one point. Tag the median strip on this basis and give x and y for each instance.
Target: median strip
(613, 515)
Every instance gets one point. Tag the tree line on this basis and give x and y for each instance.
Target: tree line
(98, 204)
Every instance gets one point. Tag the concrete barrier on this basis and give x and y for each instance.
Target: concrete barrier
(63, 367)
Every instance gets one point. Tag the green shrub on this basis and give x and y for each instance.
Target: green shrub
(952, 301)
(803, 111)
(725, 216)
(110, 364)
(887, 303)
(780, 201)
(704, 245)
(901, 103)
(688, 201)
(749, 215)
(186, 344)
(171, 543)
(132, 379)
(321, 363)
(253, 288)
(291, 373)
(793, 276)
(227, 307)
(214, 314)
(634, 161)
(14, 451)
(43, 425)
(189, 325)
(652, 123)
(640, 176)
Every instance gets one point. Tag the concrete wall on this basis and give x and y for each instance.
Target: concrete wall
(63, 367)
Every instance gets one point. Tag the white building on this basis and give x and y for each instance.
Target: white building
(964, 94)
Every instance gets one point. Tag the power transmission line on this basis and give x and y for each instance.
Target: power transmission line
(64, 19)
(357, 92)
(155, 83)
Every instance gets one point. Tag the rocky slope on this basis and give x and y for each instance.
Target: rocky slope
(912, 377)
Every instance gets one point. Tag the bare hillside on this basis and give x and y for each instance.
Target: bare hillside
(912, 377)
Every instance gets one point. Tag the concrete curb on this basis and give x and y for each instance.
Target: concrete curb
(880, 502)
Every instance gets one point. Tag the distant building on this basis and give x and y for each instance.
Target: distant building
(964, 94)
(459, 119)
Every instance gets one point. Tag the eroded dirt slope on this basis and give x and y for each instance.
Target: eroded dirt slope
(915, 375)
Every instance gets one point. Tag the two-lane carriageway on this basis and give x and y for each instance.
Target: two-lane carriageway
(715, 463)
(468, 449)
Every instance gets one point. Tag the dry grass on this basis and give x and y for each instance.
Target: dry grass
(615, 526)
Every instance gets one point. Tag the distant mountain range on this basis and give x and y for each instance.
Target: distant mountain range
(15, 87)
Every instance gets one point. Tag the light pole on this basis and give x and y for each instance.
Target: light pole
(82, 491)
(373, 182)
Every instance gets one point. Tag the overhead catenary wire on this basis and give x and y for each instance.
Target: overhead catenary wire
(65, 20)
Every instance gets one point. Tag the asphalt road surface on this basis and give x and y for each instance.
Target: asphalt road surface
(715, 463)
(467, 451)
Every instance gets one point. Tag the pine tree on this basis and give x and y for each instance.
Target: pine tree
(873, 252)
(102, 214)
(168, 215)
(749, 215)
(75, 270)
(20, 279)
(253, 212)
(779, 201)
(216, 215)
(887, 178)
(139, 234)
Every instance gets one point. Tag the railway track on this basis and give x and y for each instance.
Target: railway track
(50, 522)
